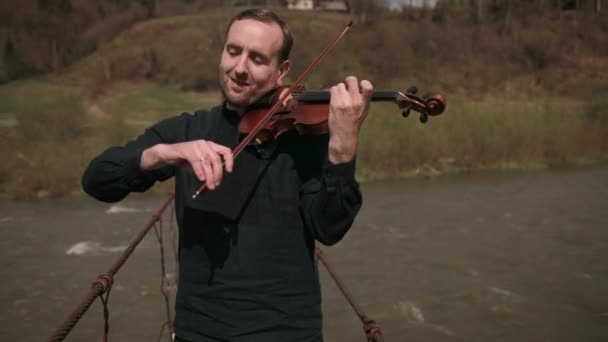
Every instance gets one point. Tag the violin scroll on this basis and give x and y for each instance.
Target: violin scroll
(427, 105)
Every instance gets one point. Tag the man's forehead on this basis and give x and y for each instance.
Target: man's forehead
(260, 35)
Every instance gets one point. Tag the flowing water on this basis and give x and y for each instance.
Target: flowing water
(513, 256)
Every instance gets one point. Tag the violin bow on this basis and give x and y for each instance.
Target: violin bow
(249, 137)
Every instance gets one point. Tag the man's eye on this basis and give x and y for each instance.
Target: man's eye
(232, 51)
(257, 59)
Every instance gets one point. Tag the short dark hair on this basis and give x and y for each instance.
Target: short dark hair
(268, 16)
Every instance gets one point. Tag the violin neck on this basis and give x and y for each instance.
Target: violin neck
(322, 96)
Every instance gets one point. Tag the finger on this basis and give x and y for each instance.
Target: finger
(207, 170)
(352, 84)
(289, 101)
(336, 100)
(198, 169)
(226, 154)
(343, 96)
(203, 152)
(215, 162)
(333, 94)
(367, 89)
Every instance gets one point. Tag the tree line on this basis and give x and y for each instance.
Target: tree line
(41, 36)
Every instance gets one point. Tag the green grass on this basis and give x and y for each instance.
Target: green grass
(31, 95)
(134, 101)
(495, 133)
(149, 102)
(60, 128)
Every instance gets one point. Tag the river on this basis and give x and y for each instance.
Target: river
(497, 256)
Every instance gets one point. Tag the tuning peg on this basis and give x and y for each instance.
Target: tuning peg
(412, 90)
(406, 111)
(424, 117)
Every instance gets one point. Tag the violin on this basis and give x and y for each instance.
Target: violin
(307, 112)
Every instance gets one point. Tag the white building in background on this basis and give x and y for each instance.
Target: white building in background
(398, 4)
(322, 5)
(336, 6)
(301, 5)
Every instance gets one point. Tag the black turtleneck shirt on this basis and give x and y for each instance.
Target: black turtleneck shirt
(247, 270)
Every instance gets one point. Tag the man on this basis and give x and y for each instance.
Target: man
(247, 267)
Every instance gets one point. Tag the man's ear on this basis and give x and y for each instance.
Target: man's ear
(283, 70)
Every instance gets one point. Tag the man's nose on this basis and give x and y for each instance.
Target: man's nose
(241, 64)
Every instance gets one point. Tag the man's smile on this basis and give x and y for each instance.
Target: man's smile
(239, 83)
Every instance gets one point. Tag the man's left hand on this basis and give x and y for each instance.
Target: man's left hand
(348, 108)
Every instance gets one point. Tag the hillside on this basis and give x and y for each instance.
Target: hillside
(440, 49)
(524, 91)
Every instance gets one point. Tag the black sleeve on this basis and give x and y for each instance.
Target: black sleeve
(115, 173)
(330, 202)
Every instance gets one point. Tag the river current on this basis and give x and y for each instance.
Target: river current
(501, 256)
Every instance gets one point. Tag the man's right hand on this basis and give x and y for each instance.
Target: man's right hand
(206, 158)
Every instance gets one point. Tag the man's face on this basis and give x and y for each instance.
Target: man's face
(250, 66)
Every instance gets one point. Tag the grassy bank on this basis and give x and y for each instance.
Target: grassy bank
(493, 133)
(56, 136)
(53, 129)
